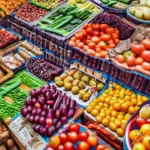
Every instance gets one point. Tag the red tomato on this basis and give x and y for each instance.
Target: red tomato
(85, 26)
(97, 55)
(98, 50)
(92, 45)
(37, 105)
(103, 54)
(130, 61)
(139, 61)
(96, 26)
(140, 122)
(91, 52)
(146, 66)
(80, 45)
(83, 146)
(112, 45)
(146, 56)
(79, 36)
(120, 58)
(88, 37)
(74, 127)
(71, 43)
(63, 138)
(146, 44)
(89, 30)
(117, 41)
(54, 142)
(73, 39)
(110, 41)
(116, 31)
(100, 147)
(105, 37)
(102, 32)
(137, 49)
(83, 32)
(88, 41)
(110, 30)
(102, 45)
(103, 27)
(61, 147)
(85, 48)
(69, 146)
(73, 137)
(95, 39)
(83, 136)
(93, 141)
(96, 33)
(115, 36)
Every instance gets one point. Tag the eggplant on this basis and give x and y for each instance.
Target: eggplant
(51, 130)
(73, 104)
(24, 111)
(70, 113)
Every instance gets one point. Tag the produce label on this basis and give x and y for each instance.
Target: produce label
(24, 132)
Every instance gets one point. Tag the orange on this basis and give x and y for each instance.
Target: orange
(54, 142)
(98, 119)
(117, 106)
(118, 123)
(114, 113)
(127, 98)
(105, 122)
(120, 117)
(124, 107)
(133, 134)
(139, 103)
(134, 101)
(89, 108)
(131, 110)
(127, 117)
(94, 112)
(120, 132)
(112, 126)
(139, 146)
(101, 99)
(146, 142)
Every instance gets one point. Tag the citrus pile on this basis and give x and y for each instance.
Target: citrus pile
(8, 5)
(115, 106)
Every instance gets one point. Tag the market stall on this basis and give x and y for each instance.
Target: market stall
(74, 75)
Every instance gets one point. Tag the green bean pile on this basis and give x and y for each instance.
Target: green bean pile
(10, 110)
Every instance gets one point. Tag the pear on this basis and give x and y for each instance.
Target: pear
(69, 79)
(75, 82)
(139, 14)
(81, 85)
(75, 90)
(148, 3)
(67, 86)
(132, 10)
(145, 112)
(85, 79)
(81, 93)
(143, 2)
(78, 75)
(146, 11)
(60, 83)
(92, 83)
(100, 86)
(57, 79)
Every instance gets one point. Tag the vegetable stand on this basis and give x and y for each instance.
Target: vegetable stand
(74, 75)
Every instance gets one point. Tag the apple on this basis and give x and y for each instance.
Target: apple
(140, 122)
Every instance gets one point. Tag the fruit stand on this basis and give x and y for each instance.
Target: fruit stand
(74, 75)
